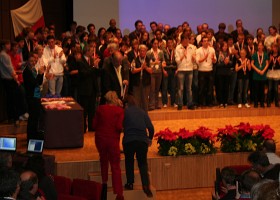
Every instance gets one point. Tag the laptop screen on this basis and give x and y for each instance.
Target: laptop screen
(8, 144)
(35, 146)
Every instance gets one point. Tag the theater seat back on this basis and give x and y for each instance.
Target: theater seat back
(90, 190)
(63, 185)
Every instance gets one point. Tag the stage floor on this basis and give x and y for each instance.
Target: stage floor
(89, 151)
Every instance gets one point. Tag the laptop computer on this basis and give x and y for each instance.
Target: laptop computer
(8, 144)
(35, 146)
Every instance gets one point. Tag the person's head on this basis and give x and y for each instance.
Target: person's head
(32, 59)
(52, 32)
(222, 27)
(210, 33)
(113, 47)
(185, 24)
(158, 34)
(228, 176)
(269, 146)
(118, 33)
(51, 41)
(29, 182)
(117, 58)
(112, 98)
(205, 42)
(112, 23)
(243, 53)
(5, 45)
(184, 40)
(88, 51)
(247, 180)
(230, 41)
(123, 47)
(274, 48)
(266, 190)
(9, 183)
(77, 54)
(205, 26)
(14, 47)
(20, 40)
(160, 26)
(145, 36)
(240, 38)
(170, 43)
(259, 161)
(239, 23)
(199, 29)
(153, 26)
(192, 39)
(91, 28)
(142, 50)
(154, 43)
(101, 32)
(135, 44)
(84, 37)
(39, 50)
(130, 100)
(28, 33)
(224, 47)
(260, 46)
(272, 30)
(73, 26)
(138, 25)
(6, 160)
(259, 31)
(166, 28)
(80, 30)
(249, 39)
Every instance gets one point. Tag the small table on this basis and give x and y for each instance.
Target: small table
(64, 128)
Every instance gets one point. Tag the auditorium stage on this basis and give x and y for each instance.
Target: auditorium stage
(167, 172)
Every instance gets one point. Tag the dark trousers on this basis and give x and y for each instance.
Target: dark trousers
(169, 86)
(11, 88)
(34, 105)
(140, 149)
(259, 91)
(273, 90)
(205, 84)
(223, 85)
(88, 104)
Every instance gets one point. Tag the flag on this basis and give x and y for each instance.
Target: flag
(29, 15)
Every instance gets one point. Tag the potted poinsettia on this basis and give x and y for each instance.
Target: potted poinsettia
(167, 143)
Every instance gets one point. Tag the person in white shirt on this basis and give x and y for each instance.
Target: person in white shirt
(273, 35)
(54, 57)
(269, 149)
(205, 58)
(185, 56)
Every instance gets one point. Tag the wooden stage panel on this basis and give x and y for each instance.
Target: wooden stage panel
(191, 171)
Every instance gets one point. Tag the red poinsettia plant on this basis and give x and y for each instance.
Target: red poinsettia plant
(243, 137)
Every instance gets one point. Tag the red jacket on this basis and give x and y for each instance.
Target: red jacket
(108, 121)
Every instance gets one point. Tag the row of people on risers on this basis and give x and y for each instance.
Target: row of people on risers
(28, 182)
(138, 130)
(259, 183)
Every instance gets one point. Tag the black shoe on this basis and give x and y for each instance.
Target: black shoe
(262, 105)
(128, 186)
(276, 104)
(191, 107)
(255, 105)
(180, 108)
(150, 109)
(268, 104)
(147, 191)
(157, 108)
(104, 192)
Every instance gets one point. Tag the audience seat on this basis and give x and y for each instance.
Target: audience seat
(69, 197)
(90, 190)
(63, 185)
(239, 169)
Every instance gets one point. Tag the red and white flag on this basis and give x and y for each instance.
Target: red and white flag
(29, 15)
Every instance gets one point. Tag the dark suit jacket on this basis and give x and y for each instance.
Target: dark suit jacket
(30, 82)
(87, 84)
(25, 51)
(109, 79)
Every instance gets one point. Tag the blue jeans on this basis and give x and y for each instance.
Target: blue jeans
(169, 86)
(242, 91)
(185, 79)
(55, 85)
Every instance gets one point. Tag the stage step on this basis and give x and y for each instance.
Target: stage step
(213, 112)
(96, 176)
(135, 194)
(11, 129)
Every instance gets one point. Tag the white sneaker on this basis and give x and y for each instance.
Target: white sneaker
(175, 105)
(164, 105)
(239, 105)
(26, 115)
(247, 105)
(221, 105)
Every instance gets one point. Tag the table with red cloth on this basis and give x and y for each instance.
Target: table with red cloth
(63, 123)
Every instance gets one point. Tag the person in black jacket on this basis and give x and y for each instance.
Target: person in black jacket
(32, 80)
(88, 89)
